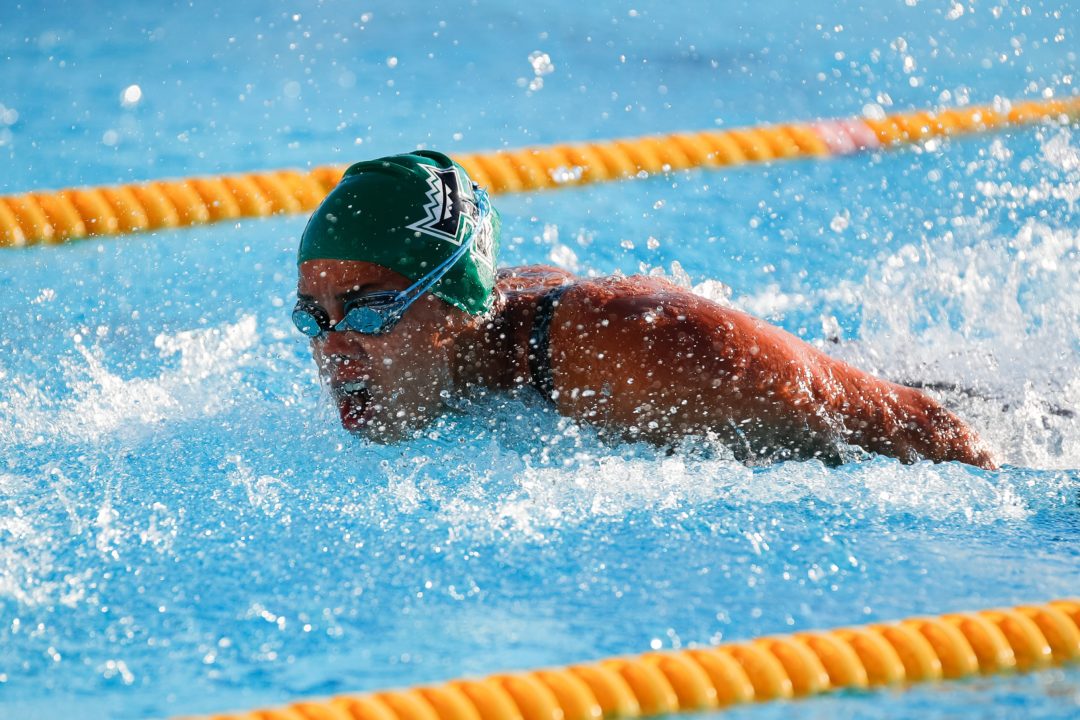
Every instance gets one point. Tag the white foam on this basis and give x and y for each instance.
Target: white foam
(1008, 332)
(103, 403)
(521, 501)
(998, 319)
(30, 539)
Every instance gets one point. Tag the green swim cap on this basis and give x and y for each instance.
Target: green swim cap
(410, 213)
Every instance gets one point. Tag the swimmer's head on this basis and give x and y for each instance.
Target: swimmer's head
(395, 267)
(410, 213)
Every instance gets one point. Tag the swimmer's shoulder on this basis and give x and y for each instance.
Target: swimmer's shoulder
(627, 293)
(642, 308)
(626, 296)
(532, 278)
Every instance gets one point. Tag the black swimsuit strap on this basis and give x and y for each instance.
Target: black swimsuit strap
(540, 342)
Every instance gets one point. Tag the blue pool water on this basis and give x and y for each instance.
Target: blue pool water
(183, 526)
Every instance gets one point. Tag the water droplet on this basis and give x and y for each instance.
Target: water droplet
(131, 96)
(873, 111)
(541, 63)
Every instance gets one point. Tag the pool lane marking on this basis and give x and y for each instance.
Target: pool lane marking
(44, 217)
(803, 664)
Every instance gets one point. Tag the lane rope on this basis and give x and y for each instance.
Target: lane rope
(956, 645)
(57, 217)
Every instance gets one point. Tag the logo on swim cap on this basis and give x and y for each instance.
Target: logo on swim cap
(442, 219)
(452, 204)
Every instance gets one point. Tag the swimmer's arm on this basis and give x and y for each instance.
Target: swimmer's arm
(832, 397)
(676, 362)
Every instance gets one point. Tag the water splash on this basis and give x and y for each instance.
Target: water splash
(992, 326)
(611, 488)
(986, 321)
(95, 402)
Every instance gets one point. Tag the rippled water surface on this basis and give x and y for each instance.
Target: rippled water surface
(185, 528)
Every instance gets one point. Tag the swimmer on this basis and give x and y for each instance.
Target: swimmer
(405, 308)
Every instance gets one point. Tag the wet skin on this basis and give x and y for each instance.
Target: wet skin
(637, 356)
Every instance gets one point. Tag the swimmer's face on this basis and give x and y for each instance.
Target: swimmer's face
(387, 385)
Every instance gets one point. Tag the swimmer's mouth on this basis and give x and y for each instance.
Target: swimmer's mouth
(353, 398)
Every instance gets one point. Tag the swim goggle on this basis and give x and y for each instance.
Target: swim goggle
(377, 313)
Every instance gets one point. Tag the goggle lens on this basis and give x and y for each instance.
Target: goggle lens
(368, 320)
(307, 321)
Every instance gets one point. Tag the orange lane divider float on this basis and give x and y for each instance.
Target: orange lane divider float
(56, 217)
(1029, 637)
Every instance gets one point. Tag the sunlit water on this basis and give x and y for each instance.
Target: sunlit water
(185, 528)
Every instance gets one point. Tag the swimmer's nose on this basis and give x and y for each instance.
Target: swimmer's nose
(342, 344)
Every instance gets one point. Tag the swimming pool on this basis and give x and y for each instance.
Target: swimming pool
(184, 528)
